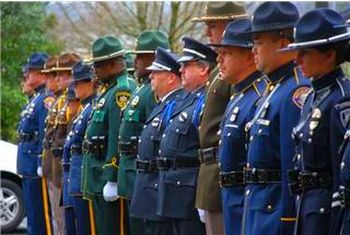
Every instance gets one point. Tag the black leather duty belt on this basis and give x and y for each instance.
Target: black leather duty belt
(27, 137)
(57, 151)
(146, 166)
(262, 176)
(97, 146)
(76, 150)
(232, 178)
(165, 163)
(129, 148)
(208, 155)
(299, 181)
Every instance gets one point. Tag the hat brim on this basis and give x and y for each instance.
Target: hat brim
(241, 45)
(314, 43)
(217, 18)
(130, 69)
(186, 58)
(62, 69)
(267, 29)
(143, 52)
(107, 57)
(87, 79)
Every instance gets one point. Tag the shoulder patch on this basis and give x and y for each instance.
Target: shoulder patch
(299, 96)
(48, 102)
(122, 98)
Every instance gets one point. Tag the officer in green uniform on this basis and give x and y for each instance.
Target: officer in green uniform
(135, 115)
(101, 157)
(218, 92)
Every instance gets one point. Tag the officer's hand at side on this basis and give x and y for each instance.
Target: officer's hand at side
(39, 171)
(201, 214)
(110, 191)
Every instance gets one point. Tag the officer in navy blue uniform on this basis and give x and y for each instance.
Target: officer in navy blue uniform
(166, 83)
(237, 67)
(269, 208)
(72, 151)
(66, 201)
(178, 163)
(30, 137)
(344, 188)
(321, 39)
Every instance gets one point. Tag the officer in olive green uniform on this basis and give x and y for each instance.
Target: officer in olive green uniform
(101, 157)
(135, 115)
(218, 92)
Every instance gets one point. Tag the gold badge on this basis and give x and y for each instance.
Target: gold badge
(122, 98)
(48, 101)
(135, 101)
(315, 119)
(299, 96)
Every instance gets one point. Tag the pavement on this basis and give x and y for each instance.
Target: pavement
(21, 230)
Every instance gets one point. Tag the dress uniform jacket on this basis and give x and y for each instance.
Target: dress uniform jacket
(134, 117)
(318, 137)
(50, 120)
(31, 133)
(100, 161)
(269, 208)
(177, 184)
(144, 200)
(30, 137)
(218, 94)
(345, 183)
(233, 148)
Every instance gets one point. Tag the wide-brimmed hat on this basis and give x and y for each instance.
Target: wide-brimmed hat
(234, 34)
(319, 27)
(272, 16)
(82, 72)
(50, 63)
(148, 41)
(65, 62)
(105, 48)
(222, 11)
(36, 61)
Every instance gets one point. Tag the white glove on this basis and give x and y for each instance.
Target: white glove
(110, 191)
(39, 171)
(201, 214)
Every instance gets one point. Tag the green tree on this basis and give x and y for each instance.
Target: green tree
(23, 27)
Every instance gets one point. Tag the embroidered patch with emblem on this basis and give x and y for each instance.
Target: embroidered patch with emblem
(135, 101)
(48, 101)
(300, 95)
(122, 98)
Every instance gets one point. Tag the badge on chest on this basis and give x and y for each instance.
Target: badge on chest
(315, 119)
(234, 114)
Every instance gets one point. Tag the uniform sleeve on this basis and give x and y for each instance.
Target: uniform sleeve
(110, 169)
(42, 113)
(289, 117)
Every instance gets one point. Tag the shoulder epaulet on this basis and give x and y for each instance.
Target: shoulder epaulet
(344, 85)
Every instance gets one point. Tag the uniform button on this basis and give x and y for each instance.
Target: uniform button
(29, 151)
(155, 185)
(163, 135)
(214, 91)
(177, 130)
(159, 151)
(144, 126)
(220, 142)
(299, 156)
(322, 210)
(76, 131)
(269, 207)
(259, 131)
(178, 182)
(298, 197)
(229, 134)
(171, 120)
(251, 138)
(247, 192)
(139, 140)
(309, 140)
(301, 135)
(219, 132)
(199, 127)
(342, 165)
(248, 165)
(119, 137)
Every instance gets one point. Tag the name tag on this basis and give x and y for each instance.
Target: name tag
(263, 122)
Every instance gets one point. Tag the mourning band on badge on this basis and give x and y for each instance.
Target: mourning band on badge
(183, 116)
(122, 99)
(299, 96)
(315, 119)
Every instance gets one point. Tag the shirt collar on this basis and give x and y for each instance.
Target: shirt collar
(87, 100)
(168, 94)
(327, 79)
(242, 85)
(278, 74)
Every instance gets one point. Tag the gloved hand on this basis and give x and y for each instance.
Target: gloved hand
(110, 191)
(39, 171)
(201, 214)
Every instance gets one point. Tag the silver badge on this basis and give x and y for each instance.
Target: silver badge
(234, 114)
(135, 101)
(315, 119)
(183, 116)
(101, 103)
(155, 122)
